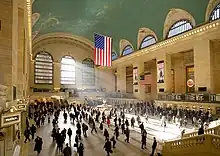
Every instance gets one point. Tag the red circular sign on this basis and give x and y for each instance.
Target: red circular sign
(190, 83)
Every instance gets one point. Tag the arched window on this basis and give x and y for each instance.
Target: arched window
(43, 68)
(147, 41)
(179, 27)
(114, 56)
(88, 74)
(127, 50)
(68, 70)
(215, 13)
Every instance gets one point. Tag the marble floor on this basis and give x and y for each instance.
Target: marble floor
(93, 144)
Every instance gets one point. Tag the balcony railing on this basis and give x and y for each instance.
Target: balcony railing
(202, 145)
(213, 130)
(190, 97)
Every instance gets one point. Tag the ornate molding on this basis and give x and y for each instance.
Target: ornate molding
(211, 6)
(175, 15)
(142, 33)
(60, 40)
(64, 35)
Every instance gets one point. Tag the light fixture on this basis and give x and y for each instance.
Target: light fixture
(11, 110)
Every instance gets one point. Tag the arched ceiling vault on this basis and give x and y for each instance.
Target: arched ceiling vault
(120, 19)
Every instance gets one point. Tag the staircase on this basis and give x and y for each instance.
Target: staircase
(193, 144)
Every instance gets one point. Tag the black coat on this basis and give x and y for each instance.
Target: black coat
(67, 151)
(38, 144)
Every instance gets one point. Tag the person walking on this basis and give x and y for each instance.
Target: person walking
(123, 128)
(116, 132)
(93, 127)
(27, 135)
(113, 141)
(106, 134)
(108, 147)
(154, 146)
(101, 126)
(33, 131)
(80, 149)
(127, 134)
(144, 139)
(67, 150)
(84, 129)
(108, 122)
(69, 133)
(38, 144)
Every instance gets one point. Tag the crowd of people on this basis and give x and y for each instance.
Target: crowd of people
(83, 118)
(181, 117)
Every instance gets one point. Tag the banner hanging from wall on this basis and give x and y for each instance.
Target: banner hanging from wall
(135, 75)
(160, 72)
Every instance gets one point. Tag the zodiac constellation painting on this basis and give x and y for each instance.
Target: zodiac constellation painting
(35, 18)
(45, 22)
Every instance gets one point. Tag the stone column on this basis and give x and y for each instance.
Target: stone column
(141, 92)
(167, 85)
(56, 75)
(121, 78)
(14, 47)
(20, 58)
(202, 64)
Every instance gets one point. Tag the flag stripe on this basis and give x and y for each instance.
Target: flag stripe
(103, 50)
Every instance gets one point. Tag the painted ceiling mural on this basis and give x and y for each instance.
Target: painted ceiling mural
(120, 19)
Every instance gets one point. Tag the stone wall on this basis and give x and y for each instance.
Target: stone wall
(6, 10)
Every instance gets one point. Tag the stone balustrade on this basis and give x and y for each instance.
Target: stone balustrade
(214, 130)
(202, 145)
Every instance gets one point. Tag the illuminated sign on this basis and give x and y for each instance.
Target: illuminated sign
(10, 119)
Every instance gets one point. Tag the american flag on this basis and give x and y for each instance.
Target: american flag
(103, 50)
